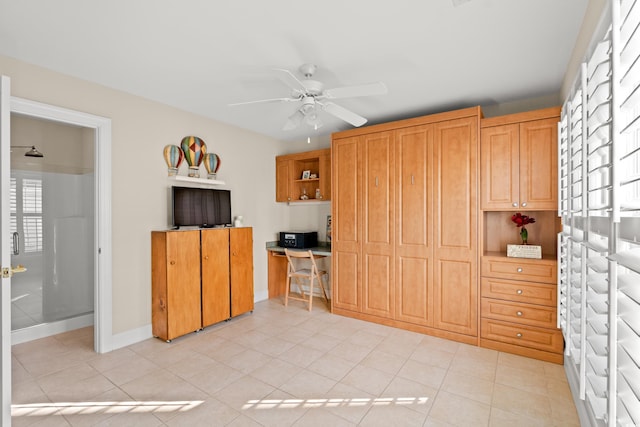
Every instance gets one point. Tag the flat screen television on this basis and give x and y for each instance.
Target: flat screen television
(200, 207)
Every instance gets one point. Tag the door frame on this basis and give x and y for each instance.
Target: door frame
(103, 340)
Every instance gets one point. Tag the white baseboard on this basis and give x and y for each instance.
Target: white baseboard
(261, 296)
(132, 336)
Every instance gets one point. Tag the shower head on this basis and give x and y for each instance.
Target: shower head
(31, 153)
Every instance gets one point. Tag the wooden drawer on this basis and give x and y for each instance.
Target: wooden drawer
(517, 312)
(531, 270)
(514, 290)
(521, 335)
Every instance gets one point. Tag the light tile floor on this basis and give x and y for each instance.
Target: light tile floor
(285, 367)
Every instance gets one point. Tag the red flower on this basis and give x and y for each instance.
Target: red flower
(522, 220)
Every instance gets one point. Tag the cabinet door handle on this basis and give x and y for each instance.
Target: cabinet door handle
(519, 270)
(518, 313)
(412, 180)
(514, 204)
(206, 257)
(519, 292)
(519, 335)
(172, 262)
(524, 204)
(376, 181)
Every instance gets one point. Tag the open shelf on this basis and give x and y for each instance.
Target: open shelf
(204, 181)
(499, 230)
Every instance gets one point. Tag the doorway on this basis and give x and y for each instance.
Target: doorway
(52, 223)
(97, 129)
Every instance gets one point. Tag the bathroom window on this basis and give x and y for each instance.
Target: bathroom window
(26, 213)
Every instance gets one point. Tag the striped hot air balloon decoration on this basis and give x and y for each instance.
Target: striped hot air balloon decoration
(194, 150)
(211, 164)
(174, 157)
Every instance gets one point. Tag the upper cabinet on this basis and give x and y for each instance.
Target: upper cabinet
(303, 177)
(519, 159)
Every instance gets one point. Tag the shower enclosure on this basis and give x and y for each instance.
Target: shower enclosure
(52, 221)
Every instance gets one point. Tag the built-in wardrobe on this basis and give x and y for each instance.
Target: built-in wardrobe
(405, 224)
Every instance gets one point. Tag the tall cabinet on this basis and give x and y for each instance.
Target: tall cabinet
(519, 174)
(404, 212)
(199, 277)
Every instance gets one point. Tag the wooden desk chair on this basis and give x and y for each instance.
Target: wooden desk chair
(309, 277)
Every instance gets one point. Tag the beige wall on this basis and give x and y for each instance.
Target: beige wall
(66, 148)
(140, 129)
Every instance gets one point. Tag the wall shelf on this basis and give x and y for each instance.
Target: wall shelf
(204, 181)
(308, 202)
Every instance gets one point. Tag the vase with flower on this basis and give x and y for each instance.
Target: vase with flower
(521, 221)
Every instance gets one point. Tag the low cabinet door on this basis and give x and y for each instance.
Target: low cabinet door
(215, 276)
(241, 268)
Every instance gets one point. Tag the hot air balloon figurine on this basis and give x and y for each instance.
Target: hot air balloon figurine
(194, 150)
(211, 164)
(174, 157)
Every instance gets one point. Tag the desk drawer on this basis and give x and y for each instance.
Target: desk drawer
(516, 312)
(520, 269)
(514, 290)
(525, 336)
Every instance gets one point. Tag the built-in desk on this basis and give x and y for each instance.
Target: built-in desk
(277, 265)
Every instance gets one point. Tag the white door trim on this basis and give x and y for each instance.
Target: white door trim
(103, 339)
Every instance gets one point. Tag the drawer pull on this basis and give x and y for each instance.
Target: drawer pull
(519, 270)
(514, 204)
(519, 335)
(524, 204)
(518, 313)
(172, 262)
(519, 292)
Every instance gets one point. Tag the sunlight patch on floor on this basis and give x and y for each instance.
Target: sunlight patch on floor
(332, 402)
(80, 408)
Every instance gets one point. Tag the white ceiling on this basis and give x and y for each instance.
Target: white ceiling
(201, 55)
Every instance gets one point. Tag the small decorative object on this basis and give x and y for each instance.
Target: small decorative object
(174, 157)
(237, 221)
(313, 176)
(524, 250)
(520, 221)
(211, 164)
(318, 195)
(304, 195)
(306, 174)
(194, 150)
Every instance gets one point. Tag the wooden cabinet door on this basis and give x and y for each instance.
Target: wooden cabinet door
(283, 179)
(455, 221)
(539, 164)
(499, 174)
(414, 206)
(346, 224)
(176, 283)
(215, 276)
(378, 262)
(241, 267)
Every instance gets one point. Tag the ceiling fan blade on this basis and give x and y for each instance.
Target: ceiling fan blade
(293, 121)
(377, 88)
(343, 114)
(288, 78)
(264, 101)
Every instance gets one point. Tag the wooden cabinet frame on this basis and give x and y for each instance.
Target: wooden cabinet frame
(289, 182)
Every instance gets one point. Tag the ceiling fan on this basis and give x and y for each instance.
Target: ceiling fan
(314, 98)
